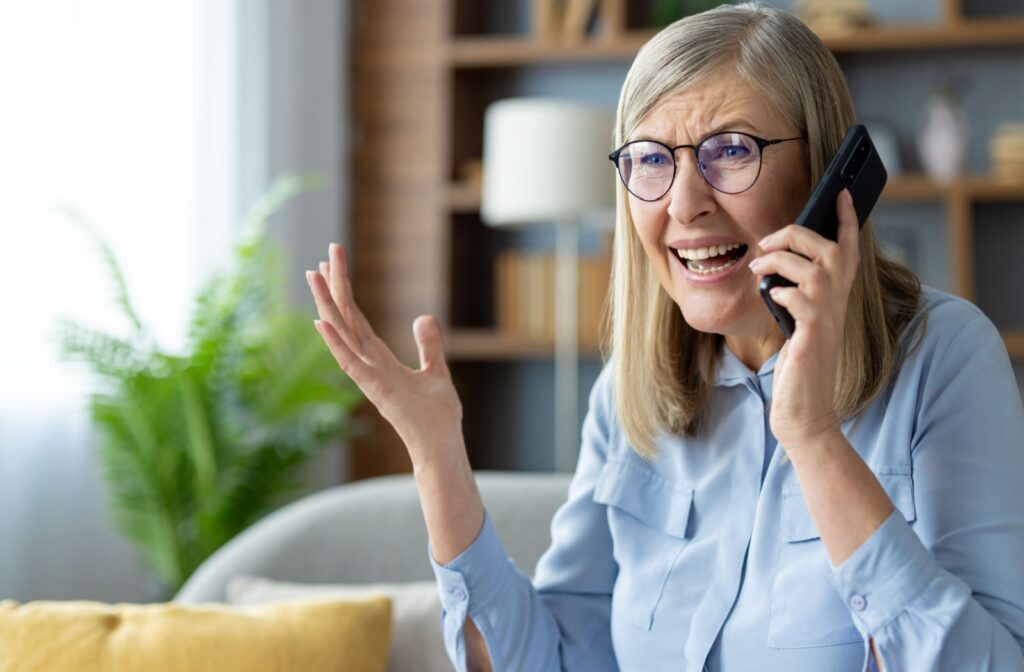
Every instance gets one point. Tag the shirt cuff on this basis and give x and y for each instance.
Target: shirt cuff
(476, 576)
(884, 575)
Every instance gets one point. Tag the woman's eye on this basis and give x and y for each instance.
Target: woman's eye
(653, 160)
(732, 152)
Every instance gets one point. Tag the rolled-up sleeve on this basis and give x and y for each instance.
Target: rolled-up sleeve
(482, 570)
(562, 622)
(948, 592)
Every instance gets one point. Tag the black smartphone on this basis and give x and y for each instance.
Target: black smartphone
(855, 166)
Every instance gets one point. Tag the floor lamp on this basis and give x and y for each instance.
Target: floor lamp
(546, 162)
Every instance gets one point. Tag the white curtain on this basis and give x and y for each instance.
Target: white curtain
(160, 122)
(123, 112)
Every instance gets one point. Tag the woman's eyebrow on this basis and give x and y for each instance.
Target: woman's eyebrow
(733, 124)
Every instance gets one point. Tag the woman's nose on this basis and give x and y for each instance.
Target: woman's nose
(690, 196)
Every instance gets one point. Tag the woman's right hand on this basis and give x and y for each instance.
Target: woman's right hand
(422, 405)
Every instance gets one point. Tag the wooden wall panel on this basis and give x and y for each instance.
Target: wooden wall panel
(401, 98)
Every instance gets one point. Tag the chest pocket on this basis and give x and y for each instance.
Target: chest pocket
(649, 517)
(805, 608)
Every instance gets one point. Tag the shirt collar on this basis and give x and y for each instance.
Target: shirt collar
(731, 371)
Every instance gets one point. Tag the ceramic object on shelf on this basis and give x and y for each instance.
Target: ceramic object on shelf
(944, 136)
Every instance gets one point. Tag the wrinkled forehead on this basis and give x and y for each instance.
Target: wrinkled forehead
(716, 103)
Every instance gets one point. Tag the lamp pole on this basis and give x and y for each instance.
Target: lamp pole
(566, 345)
(528, 181)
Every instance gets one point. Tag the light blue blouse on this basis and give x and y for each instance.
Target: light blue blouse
(707, 558)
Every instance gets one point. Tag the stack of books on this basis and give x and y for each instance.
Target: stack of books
(1007, 151)
(525, 295)
(832, 17)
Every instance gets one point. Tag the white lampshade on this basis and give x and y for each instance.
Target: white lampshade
(546, 160)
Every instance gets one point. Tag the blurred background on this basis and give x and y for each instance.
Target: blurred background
(161, 124)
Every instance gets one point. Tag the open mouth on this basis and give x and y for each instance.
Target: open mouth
(711, 260)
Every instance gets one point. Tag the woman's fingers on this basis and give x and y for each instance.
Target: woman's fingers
(341, 290)
(350, 363)
(430, 343)
(799, 306)
(849, 230)
(371, 380)
(329, 312)
(816, 247)
(803, 241)
(812, 245)
(322, 297)
(336, 304)
(795, 268)
(809, 259)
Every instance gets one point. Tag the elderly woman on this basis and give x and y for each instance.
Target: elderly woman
(853, 496)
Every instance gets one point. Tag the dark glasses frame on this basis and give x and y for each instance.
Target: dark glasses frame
(760, 142)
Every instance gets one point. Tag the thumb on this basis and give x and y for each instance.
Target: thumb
(429, 342)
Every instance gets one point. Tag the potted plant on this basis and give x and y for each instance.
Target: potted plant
(197, 445)
(665, 12)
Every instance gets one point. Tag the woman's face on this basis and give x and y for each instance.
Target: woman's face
(693, 215)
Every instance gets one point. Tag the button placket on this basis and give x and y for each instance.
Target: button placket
(729, 582)
(753, 383)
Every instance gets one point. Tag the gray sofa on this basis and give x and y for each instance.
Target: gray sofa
(372, 531)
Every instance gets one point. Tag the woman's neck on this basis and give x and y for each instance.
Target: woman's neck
(755, 349)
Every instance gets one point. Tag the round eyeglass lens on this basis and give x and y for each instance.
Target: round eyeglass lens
(646, 168)
(730, 162)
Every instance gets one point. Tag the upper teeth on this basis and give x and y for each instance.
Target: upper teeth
(707, 252)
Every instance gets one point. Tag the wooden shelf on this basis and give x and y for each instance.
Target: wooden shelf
(467, 345)
(489, 345)
(510, 51)
(975, 188)
(971, 188)
(964, 33)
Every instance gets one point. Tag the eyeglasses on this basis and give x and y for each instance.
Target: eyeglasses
(730, 162)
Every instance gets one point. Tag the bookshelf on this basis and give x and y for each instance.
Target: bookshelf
(425, 70)
(956, 197)
(511, 51)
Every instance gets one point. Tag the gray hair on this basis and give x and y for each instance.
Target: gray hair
(661, 363)
(769, 49)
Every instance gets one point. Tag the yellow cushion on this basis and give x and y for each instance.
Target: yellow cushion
(84, 636)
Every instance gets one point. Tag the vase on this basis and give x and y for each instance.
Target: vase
(943, 138)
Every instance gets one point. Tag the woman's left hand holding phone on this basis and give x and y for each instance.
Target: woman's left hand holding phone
(803, 389)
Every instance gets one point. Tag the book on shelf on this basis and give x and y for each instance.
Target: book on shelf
(525, 295)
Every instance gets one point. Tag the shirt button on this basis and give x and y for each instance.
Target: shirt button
(859, 602)
(459, 594)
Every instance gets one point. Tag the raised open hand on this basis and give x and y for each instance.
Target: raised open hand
(421, 405)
